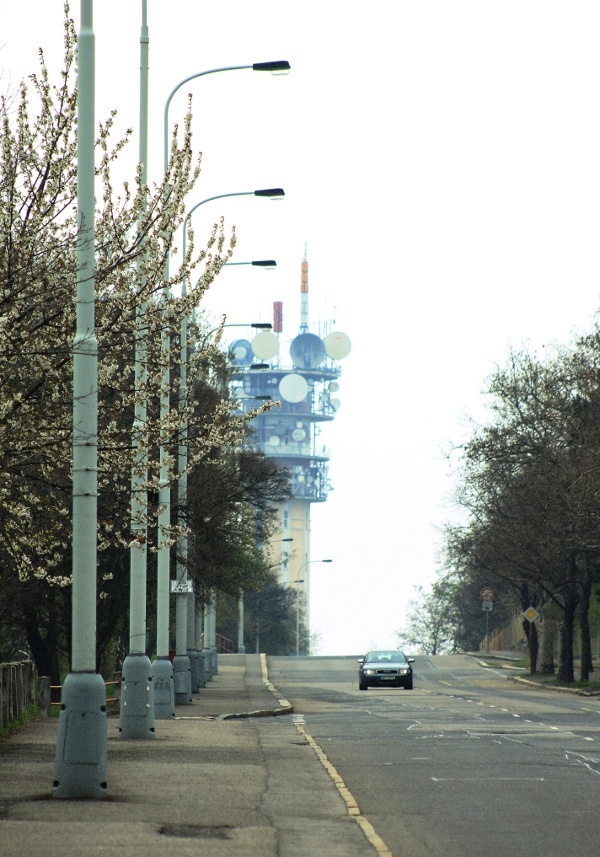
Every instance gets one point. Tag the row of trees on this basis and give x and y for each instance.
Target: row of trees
(230, 490)
(528, 487)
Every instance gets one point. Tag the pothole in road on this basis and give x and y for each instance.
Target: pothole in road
(195, 831)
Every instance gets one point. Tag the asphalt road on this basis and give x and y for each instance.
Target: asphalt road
(468, 763)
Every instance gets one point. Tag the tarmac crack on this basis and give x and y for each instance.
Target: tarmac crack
(196, 831)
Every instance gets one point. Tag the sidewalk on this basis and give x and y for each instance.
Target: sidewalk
(222, 779)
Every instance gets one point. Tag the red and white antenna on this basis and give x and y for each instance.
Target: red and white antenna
(304, 294)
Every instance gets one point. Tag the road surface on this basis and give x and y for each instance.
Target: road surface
(468, 763)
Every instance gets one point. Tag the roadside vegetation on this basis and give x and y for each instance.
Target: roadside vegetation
(528, 503)
(228, 510)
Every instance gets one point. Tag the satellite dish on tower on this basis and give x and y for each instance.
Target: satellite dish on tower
(242, 352)
(337, 345)
(293, 388)
(308, 351)
(265, 345)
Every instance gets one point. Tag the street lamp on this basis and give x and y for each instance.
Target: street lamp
(136, 716)
(81, 750)
(275, 67)
(186, 653)
(187, 660)
(162, 669)
(189, 634)
(298, 582)
(273, 193)
(268, 264)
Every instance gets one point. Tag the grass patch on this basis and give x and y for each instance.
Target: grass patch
(552, 681)
(592, 686)
(30, 713)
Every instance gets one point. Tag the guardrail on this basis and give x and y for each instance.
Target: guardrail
(116, 684)
(225, 646)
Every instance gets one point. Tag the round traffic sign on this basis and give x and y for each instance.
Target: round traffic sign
(487, 594)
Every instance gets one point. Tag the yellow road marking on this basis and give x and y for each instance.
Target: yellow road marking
(351, 805)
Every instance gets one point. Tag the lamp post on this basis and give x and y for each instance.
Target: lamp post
(298, 582)
(268, 193)
(275, 67)
(187, 657)
(272, 193)
(162, 669)
(185, 631)
(81, 751)
(136, 716)
(209, 612)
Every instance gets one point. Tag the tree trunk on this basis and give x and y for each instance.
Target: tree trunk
(547, 648)
(43, 650)
(565, 663)
(584, 627)
(530, 630)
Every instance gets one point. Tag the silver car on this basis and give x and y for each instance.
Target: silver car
(383, 667)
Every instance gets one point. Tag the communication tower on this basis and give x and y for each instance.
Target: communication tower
(302, 375)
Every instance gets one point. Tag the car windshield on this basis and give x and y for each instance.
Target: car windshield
(385, 657)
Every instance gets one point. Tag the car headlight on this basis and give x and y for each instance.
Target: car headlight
(368, 672)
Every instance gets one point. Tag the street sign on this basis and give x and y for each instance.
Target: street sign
(182, 587)
(487, 605)
(531, 614)
(487, 594)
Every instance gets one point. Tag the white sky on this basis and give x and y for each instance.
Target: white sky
(441, 161)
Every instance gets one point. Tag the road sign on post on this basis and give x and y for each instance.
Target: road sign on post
(487, 599)
(182, 587)
(531, 614)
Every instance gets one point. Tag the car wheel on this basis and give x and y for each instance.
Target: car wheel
(408, 685)
(362, 685)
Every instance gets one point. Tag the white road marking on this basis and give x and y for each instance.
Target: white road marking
(488, 779)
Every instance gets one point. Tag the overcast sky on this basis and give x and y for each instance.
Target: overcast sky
(440, 161)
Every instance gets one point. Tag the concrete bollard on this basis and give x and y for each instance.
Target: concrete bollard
(43, 695)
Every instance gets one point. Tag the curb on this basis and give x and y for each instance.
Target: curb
(352, 807)
(576, 691)
(285, 707)
(501, 665)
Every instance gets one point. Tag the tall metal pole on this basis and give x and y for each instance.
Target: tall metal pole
(137, 692)
(241, 647)
(81, 751)
(183, 633)
(298, 581)
(162, 669)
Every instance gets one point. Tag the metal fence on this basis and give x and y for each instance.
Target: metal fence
(225, 646)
